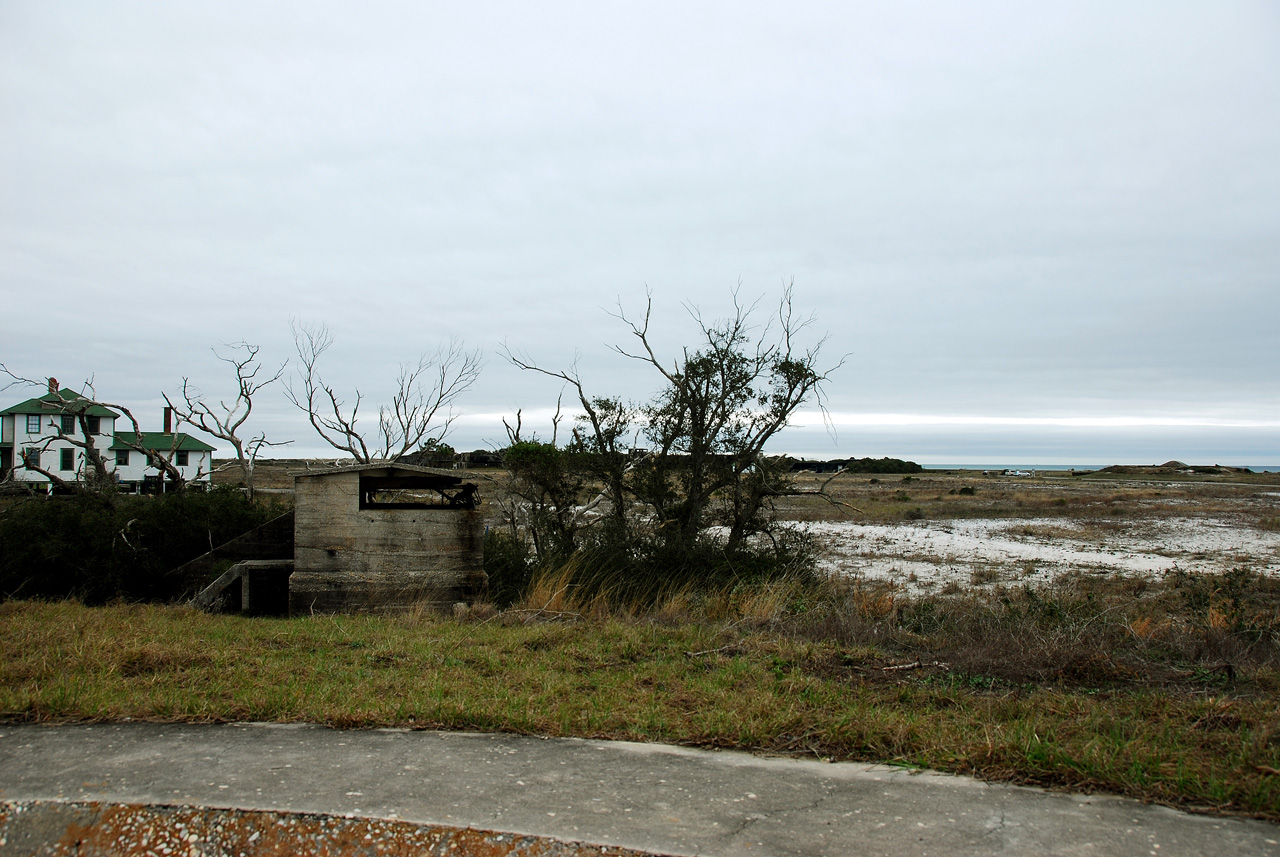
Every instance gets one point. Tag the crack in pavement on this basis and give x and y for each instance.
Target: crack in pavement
(780, 815)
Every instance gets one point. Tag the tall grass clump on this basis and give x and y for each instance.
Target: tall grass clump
(638, 573)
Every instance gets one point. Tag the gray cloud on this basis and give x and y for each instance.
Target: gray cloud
(993, 209)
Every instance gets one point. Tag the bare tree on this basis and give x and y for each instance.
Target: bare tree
(170, 474)
(421, 409)
(92, 472)
(227, 422)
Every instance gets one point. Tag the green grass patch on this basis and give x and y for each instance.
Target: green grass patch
(763, 686)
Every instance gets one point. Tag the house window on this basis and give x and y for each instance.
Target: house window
(122, 458)
(66, 459)
(33, 424)
(31, 457)
(68, 423)
(182, 458)
(95, 424)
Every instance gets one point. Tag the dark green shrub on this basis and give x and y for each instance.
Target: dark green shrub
(98, 547)
(508, 566)
(882, 465)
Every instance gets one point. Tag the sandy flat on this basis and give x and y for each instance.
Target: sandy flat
(923, 555)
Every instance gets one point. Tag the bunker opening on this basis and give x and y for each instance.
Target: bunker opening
(417, 491)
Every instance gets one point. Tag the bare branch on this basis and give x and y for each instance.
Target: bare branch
(226, 423)
(420, 410)
(154, 457)
(16, 380)
(641, 332)
(513, 433)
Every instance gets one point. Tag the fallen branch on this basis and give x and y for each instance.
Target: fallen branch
(123, 534)
(542, 611)
(731, 646)
(915, 665)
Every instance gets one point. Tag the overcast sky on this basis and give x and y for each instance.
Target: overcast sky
(1039, 232)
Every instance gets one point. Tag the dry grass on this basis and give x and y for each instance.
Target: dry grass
(938, 494)
(1164, 691)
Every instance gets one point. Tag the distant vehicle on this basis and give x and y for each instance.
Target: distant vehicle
(1017, 473)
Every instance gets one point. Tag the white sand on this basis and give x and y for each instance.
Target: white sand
(923, 556)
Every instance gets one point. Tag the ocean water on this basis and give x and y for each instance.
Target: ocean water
(1256, 468)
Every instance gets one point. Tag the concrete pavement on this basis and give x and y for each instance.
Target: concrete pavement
(648, 797)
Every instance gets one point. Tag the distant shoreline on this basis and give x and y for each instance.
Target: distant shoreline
(1256, 468)
(302, 463)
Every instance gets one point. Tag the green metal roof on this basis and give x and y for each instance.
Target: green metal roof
(61, 402)
(161, 441)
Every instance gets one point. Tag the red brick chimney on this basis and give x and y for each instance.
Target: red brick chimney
(168, 420)
(53, 385)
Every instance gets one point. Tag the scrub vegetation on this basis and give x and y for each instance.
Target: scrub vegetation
(1162, 690)
(673, 593)
(99, 546)
(694, 506)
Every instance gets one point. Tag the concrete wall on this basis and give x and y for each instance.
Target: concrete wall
(348, 559)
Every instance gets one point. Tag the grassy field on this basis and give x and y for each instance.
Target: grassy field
(1164, 701)
(1162, 687)
(967, 494)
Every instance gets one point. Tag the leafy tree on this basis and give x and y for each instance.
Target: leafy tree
(719, 404)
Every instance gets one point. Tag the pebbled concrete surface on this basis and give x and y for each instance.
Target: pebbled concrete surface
(58, 829)
(647, 797)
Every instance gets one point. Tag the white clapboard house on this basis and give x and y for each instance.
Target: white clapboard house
(38, 433)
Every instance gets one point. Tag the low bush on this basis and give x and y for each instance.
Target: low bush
(99, 547)
(508, 565)
(1189, 629)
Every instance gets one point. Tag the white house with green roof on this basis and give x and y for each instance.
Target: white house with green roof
(45, 432)
(193, 458)
(36, 432)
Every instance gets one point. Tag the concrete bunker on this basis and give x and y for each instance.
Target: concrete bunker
(384, 537)
(374, 537)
